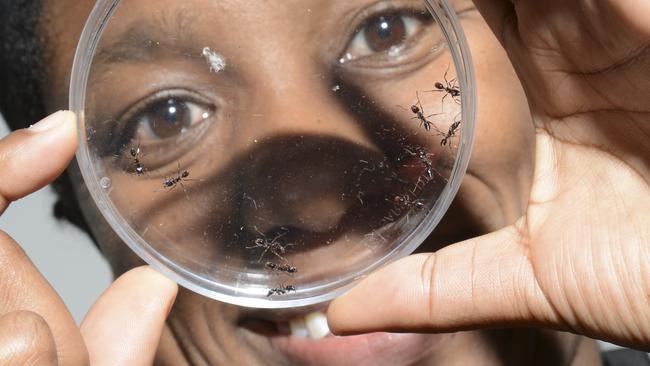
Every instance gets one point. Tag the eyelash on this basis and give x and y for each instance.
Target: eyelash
(127, 122)
(420, 15)
(123, 134)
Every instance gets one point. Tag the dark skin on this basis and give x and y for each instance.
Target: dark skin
(187, 338)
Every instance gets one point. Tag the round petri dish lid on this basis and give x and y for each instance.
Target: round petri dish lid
(271, 155)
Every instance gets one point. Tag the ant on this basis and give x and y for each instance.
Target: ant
(273, 246)
(450, 88)
(172, 182)
(424, 159)
(136, 155)
(401, 200)
(418, 110)
(406, 200)
(286, 268)
(452, 132)
(281, 290)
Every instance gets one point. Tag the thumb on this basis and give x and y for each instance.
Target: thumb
(482, 282)
(123, 327)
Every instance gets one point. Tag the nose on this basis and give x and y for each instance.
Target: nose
(302, 148)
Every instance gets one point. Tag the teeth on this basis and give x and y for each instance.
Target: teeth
(298, 328)
(317, 325)
(313, 325)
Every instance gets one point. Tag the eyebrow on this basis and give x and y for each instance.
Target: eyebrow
(169, 34)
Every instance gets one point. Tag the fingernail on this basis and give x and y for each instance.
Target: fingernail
(50, 122)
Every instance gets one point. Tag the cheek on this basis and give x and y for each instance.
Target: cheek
(504, 139)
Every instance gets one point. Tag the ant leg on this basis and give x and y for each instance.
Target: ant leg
(187, 196)
(279, 256)
(417, 95)
(447, 72)
(438, 131)
(442, 103)
(278, 237)
(409, 151)
(417, 185)
(457, 119)
(429, 123)
(261, 233)
(262, 255)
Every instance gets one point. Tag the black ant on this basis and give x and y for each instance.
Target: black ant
(172, 182)
(281, 290)
(406, 200)
(272, 246)
(286, 268)
(401, 200)
(136, 155)
(418, 110)
(424, 159)
(450, 88)
(452, 132)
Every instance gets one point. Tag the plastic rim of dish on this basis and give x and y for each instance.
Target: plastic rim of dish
(99, 18)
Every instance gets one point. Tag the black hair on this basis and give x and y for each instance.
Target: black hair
(22, 77)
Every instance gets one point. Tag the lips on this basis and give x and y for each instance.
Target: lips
(306, 340)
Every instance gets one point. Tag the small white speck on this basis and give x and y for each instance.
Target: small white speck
(105, 182)
(216, 61)
(347, 57)
(394, 51)
(336, 88)
(255, 141)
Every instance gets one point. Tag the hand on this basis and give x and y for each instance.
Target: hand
(122, 328)
(579, 258)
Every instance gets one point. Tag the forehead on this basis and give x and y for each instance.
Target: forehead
(189, 24)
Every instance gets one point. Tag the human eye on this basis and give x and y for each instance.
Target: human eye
(165, 126)
(388, 37)
(167, 118)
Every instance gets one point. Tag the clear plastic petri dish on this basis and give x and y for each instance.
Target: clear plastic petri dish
(270, 155)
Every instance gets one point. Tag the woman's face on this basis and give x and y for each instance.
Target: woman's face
(246, 101)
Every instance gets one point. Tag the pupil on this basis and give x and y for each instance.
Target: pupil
(384, 32)
(169, 118)
(384, 28)
(171, 112)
